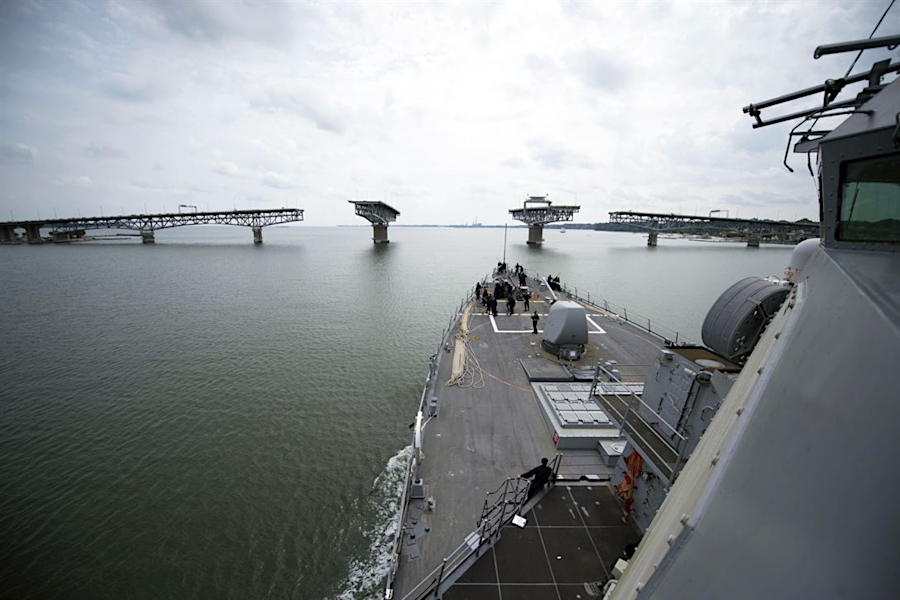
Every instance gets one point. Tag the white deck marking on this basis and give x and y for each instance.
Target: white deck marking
(494, 324)
(498, 330)
(592, 322)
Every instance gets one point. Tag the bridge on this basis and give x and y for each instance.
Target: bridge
(750, 229)
(379, 215)
(62, 230)
(537, 211)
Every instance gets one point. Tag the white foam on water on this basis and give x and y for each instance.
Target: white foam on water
(366, 577)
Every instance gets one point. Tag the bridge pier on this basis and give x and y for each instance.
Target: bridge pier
(380, 235)
(147, 236)
(379, 215)
(753, 241)
(7, 234)
(651, 238)
(535, 235)
(257, 235)
(33, 234)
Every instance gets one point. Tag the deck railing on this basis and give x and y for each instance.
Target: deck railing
(622, 312)
(500, 506)
(415, 457)
(633, 404)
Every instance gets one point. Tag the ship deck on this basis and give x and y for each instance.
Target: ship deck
(573, 536)
(485, 434)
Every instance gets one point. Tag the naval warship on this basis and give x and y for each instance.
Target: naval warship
(758, 463)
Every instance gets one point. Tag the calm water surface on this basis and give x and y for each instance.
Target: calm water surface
(206, 418)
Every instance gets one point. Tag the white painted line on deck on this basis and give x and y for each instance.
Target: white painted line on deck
(494, 324)
(599, 329)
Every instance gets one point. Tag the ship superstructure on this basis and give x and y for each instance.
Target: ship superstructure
(728, 469)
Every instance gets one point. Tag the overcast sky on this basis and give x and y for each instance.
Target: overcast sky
(446, 111)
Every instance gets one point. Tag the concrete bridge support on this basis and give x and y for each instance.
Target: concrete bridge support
(651, 238)
(147, 237)
(380, 235)
(536, 235)
(33, 234)
(257, 235)
(753, 241)
(7, 234)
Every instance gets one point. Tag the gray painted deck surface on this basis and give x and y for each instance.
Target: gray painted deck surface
(482, 436)
(574, 536)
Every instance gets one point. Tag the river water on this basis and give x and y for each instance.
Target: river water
(206, 418)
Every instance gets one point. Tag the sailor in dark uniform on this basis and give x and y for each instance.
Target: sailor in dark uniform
(541, 474)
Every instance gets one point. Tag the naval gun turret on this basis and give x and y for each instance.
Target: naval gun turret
(379, 215)
(537, 211)
(565, 330)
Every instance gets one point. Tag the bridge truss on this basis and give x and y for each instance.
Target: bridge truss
(537, 210)
(377, 213)
(246, 218)
(67, 229)
(750, 227)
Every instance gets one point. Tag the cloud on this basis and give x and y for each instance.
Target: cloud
(540, 64)
(302, 103)
(16, 153)
(74, 180)
(598, 71)
(512, 163)
(534, 96)
(163, 188)
(553, 156)
(229, 169)
(759, 199)
(269, 23)
(276, 180)
(130, 89)
(102, 151)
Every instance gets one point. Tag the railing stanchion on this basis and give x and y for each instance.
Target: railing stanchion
(437, 590)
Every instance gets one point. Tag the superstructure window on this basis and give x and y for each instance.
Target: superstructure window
(870, 200)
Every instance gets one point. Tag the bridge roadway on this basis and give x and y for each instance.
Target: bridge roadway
(752, 229)
(537, 211)
(379, 215)
(69, 229)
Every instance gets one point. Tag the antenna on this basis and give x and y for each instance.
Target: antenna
(504, 242)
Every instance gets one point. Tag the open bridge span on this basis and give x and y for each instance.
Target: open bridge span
(752, 230)
(537, 211)
(74, 228)
(379, 215)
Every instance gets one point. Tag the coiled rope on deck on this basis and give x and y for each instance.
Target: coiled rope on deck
(466, 372)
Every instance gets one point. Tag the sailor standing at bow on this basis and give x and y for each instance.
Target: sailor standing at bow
(541, 474)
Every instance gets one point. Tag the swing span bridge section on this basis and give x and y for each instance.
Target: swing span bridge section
(379, 215)
(751, 230)
(537, 211)
(64, 230)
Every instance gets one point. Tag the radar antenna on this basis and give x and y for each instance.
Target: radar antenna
(830, 90)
